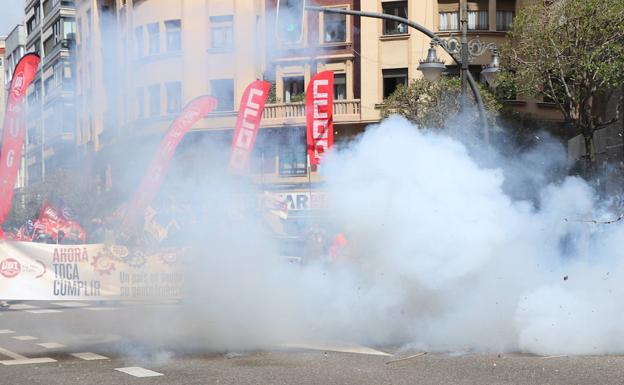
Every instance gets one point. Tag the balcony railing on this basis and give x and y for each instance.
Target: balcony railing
(289, 113)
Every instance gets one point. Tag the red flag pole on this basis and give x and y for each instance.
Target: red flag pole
(247, 124)
(319, 115)
(195, 110)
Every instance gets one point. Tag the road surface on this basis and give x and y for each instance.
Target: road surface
(82, 343)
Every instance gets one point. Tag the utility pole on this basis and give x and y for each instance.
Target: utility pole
(463, 15)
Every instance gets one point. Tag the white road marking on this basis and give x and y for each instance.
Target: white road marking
(14, 356)
(25, 338)
(89, 356)
(339, 348)
(100, 308)
(6, 331)
(71, 304)
(22, 306)
(139, 372)
(51, 345)
(26, 361)
(44, 311)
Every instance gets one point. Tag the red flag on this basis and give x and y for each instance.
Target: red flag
(247, 123)
(49, 212)
(14, 130)
(191, 114)
(319, 115)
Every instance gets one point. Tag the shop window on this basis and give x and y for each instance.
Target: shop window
(334, 28)
(396, 8)
(392, 78)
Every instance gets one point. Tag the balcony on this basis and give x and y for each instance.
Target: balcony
(51, 11)
(345, 111)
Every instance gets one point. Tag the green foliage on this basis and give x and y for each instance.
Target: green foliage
(569, 52)
(432, 104)
(298, 98)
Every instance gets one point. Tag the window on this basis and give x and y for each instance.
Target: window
(294, 89)
(48, 45)
(340, 86)
(174, 97)
(69, 29)
(138, 37)
(56, 31)
(31, 25)
(174, 39)
(154, 100)
(221, 32)
(503, 20)
(478, 20)
(223, 91)
(47, 7)
(449, 21)
(153, 31)
(292, 152)
(37, 12)
(140, 95)
(334, 28)
(396, 8)
(392, 78)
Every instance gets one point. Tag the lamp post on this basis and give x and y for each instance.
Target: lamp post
(461, 52)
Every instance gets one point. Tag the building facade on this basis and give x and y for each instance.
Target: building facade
(166, 52)
(50, 32)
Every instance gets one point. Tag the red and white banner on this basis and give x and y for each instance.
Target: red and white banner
(319, 115)
(52, 222)
(195, 110)
(247, 123)
(14, 130)
(44, 272)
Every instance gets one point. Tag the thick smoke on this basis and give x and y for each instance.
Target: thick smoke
(443, 257)
(454, 246)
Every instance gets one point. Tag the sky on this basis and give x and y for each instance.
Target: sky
(11, 14)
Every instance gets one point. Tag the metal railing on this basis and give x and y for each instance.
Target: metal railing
(342, 108)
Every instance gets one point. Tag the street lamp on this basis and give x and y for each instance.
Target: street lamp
(432, 67)
(461, 52)
(489, 71)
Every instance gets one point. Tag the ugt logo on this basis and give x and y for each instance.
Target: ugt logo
(10, 268)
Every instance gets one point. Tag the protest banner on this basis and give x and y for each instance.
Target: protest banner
(41, 272)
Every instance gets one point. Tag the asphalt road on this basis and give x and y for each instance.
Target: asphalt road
(52, 343)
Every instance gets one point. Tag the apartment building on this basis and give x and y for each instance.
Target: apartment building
(139, 61)
(165, 53)
(50, 32)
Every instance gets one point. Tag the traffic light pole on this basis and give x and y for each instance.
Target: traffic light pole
(462, 61)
